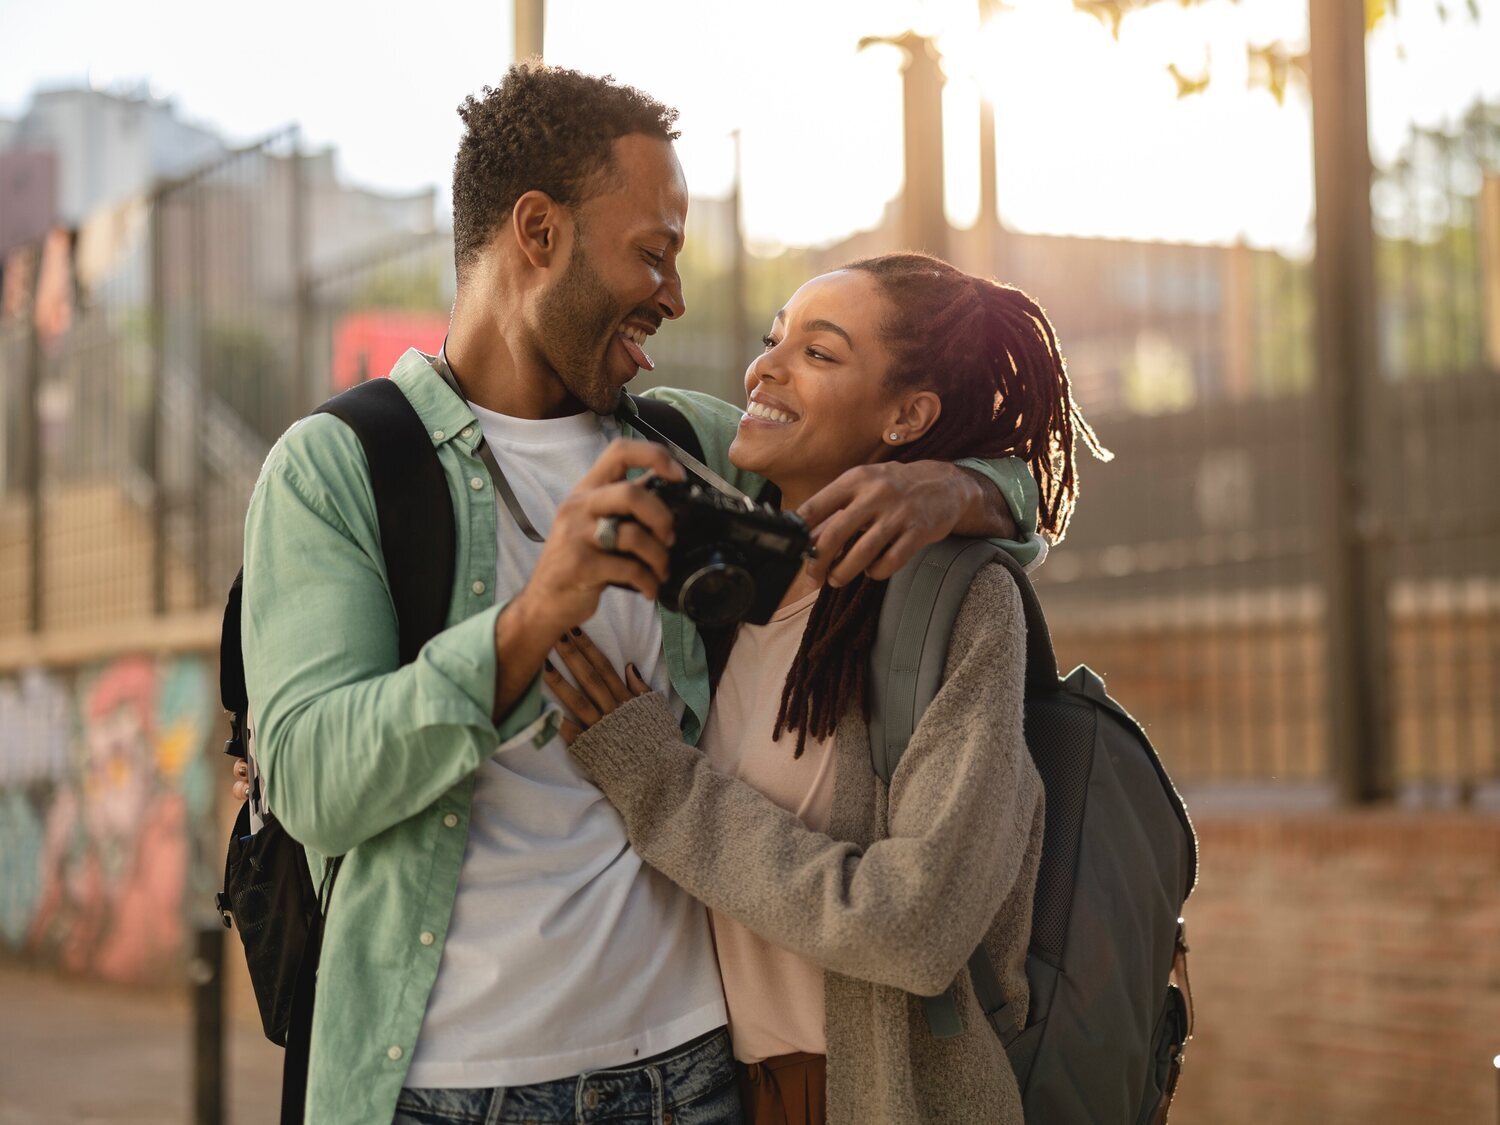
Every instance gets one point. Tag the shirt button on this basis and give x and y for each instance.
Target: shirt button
(438, 435)
(393, 1054)
(478, 587)
(467, 432)
(475, 483)
(450, 821)
(426, 937)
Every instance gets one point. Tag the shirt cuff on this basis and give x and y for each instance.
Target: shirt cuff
(465, 655)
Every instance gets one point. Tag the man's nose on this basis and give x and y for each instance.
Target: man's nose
(669, 300)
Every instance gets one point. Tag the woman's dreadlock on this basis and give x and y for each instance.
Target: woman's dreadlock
(991, 355)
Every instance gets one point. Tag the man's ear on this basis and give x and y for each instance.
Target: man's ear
(541, 227)
(918, 414)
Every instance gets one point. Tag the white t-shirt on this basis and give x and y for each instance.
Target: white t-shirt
(566, 953)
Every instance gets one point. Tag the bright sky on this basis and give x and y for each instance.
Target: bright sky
(1092, 138)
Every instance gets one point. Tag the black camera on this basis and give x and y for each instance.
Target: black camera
(731, 562)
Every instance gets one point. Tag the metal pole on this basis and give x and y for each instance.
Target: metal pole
(923, 217)
(196, 434)
(155, 456)
(206, 976)
(989, 216)
(35, 525)
(1349, 398)
(739, 321)
(530, 28)
(305, 396)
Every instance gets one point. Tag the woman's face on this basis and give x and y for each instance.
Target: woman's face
(817, 398)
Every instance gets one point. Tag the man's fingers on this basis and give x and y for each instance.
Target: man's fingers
(241, 790)
(586, 648)
(828, 500)
(835, 535)
(863, 551)
(897, 555)
(624, 570)
(624, 455)
(633, 539)
(627, 499)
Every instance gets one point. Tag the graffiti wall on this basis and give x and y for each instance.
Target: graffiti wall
(106, 815)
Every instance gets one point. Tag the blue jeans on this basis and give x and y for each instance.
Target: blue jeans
(695, 1084)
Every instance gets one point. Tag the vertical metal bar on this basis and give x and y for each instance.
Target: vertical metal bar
(155, 454)
(304, 396)
(531, 19)
(989, 213)
(1355, 613)
(739, 313)
(206, 976)
(35, 520)
(198, 461)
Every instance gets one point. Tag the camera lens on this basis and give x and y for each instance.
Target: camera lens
(717, 592)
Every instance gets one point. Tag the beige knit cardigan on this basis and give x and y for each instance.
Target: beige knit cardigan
(894, 899)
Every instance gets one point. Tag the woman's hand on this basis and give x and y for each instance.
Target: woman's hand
(600, 688)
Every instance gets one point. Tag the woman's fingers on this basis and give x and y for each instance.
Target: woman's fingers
(600, 665)
(570, 731)
(634, 682)
(581, 706)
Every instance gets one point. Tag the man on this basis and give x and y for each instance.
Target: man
(493, 941)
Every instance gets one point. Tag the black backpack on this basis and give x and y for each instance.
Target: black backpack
(1104, 1037)
(268, 892)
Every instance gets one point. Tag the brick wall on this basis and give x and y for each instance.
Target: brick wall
(1346, 968)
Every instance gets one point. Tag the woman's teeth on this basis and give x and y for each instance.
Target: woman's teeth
(769, 413)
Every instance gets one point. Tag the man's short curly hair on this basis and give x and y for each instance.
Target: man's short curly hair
(547, 129)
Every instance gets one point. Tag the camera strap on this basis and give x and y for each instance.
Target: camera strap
(503, 491)
(628, 414)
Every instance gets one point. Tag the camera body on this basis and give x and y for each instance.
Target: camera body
(730, 562)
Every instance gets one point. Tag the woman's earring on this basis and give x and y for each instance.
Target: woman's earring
(895, 436)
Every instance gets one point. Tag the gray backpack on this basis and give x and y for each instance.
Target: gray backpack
(1104, 1037)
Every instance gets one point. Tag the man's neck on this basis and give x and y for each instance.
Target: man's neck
(499, 373)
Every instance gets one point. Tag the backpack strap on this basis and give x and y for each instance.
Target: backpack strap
(412, 506)
(911, 651)
(418, 539)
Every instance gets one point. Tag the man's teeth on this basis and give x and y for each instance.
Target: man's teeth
(637, 336)
(769, 413)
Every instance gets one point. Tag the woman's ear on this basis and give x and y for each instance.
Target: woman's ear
(917, 414)
(540, 225)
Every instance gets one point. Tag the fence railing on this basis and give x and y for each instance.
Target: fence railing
(132, 432)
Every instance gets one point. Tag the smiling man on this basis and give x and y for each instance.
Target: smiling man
(495, 950)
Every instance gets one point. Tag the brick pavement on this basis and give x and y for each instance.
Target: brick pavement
(75, 1051)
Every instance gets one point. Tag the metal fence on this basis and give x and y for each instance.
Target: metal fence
(133, 429)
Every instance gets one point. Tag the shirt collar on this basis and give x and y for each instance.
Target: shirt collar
(444, 414)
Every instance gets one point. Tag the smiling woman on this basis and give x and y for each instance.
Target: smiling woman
(824, 920)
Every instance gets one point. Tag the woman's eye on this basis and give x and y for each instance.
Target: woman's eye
(814, 353)
(769, 342)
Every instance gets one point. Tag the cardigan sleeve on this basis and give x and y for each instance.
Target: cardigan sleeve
(908, 910)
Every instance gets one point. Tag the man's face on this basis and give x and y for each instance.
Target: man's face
(621, 279)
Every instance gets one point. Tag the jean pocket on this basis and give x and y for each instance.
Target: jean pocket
(418, 1106)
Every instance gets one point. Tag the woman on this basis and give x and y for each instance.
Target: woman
(836, 904)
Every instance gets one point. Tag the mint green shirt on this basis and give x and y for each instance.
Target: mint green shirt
(377, 763)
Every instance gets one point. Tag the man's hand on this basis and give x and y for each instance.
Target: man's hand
(574, 570)
(874, 518)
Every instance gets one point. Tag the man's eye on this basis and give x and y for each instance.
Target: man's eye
(769, 342)
(655, 259)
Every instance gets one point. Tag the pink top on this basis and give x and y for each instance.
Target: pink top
(775, 997)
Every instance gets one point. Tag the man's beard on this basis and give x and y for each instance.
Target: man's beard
(573, 318)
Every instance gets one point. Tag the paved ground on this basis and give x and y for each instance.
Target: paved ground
(80, 1052)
